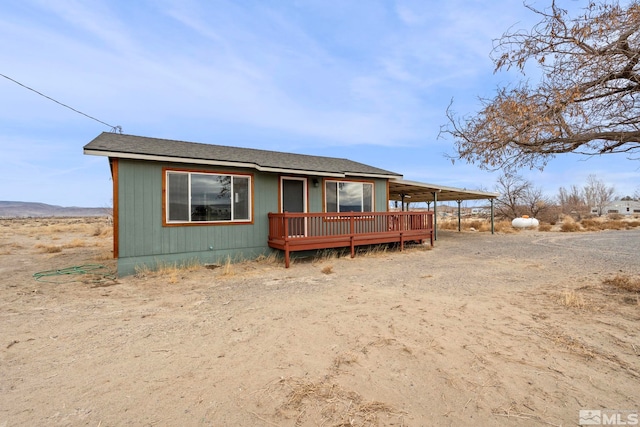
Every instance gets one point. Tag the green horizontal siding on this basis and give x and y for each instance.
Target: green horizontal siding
(144, 241)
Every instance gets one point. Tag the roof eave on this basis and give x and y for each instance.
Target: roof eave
(373, 175)
(157, 158)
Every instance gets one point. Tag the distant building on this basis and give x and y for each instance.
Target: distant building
(621, 207)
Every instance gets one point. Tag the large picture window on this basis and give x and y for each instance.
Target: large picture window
(207, 197)
(346, 196)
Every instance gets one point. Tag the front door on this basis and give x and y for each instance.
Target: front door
(294, 199)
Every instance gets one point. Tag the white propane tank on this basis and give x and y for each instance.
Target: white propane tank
(525, 222)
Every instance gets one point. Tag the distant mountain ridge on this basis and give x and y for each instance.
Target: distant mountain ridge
(10, 209)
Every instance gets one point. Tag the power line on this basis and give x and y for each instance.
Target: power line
(115, 129)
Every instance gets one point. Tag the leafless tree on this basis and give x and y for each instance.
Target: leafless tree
(572, 201)
(597, 194)
(512, 189)
(586, 101)
(535, 201)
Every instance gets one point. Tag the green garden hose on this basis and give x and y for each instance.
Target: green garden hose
(99, 272)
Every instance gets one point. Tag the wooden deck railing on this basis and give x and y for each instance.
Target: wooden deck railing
(309, 231)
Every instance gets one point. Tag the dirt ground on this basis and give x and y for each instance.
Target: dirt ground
(506, 329)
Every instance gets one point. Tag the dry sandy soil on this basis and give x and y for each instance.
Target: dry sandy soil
(507, 329)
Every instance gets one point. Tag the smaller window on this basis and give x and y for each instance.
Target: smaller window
(348, 196)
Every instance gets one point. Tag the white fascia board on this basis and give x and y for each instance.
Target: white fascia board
(169, 159)
(442, 188)
(209, 163)
(299, 172)
(373, 175)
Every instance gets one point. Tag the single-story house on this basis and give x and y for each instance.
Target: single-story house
(622, 207)
(177, 201)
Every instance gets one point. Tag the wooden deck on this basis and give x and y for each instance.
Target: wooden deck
(311, 231)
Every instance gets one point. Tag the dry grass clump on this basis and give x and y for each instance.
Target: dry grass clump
(484, 226)
(104, 255)
(230, 266)
(270, 259)
(48, 249)
(591, 224)
(504, 226)
(571, 298)
(171, 271)
(447, 225)
(227, 268)
(142, 271)
(75, 243)
(624, 283)
(572, 344)
(475, 224)
(101, 230)
(327, 403)
(603, 223)
(569, 225)
(48, 227)
(6, 249)
(544, 227)
(327, 269)
(374, 250)
(615, 225)
(348, 359)
(465, 225)
(326, 255)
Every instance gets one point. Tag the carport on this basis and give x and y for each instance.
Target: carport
(405, 191)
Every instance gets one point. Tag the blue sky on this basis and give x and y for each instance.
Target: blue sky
(366, 80)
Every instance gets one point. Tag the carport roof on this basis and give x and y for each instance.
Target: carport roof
(423, 192)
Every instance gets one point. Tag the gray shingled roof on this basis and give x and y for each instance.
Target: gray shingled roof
(131, 146)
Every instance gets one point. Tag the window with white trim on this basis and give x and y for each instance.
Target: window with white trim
(348, 196)
(194, 197)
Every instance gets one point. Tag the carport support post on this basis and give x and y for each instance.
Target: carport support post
(492, 227)
(459, 202)
(435, 215)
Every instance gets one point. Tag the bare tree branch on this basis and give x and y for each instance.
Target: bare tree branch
(585, 103)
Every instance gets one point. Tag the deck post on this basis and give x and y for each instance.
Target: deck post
(287, 260)
(430, 219)
(352, 232)
(435, 215)
(459, 216)
(403, 226)
(492, 212)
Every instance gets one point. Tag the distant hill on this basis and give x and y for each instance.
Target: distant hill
(30, 209)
